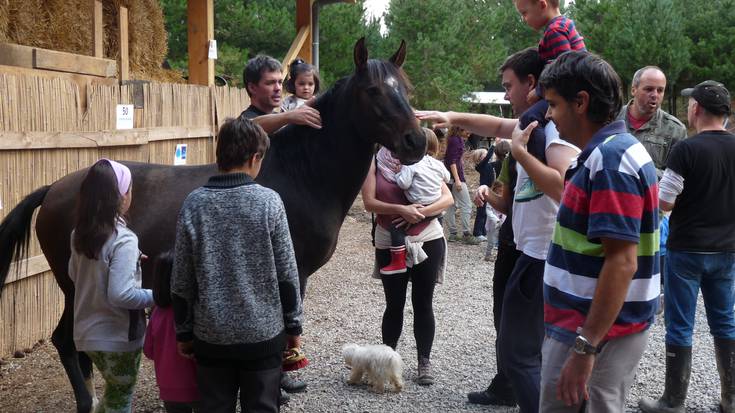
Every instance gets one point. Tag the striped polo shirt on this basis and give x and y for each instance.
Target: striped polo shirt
(611, 192)
(560, 36)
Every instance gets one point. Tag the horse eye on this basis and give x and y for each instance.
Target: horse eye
(373, 90)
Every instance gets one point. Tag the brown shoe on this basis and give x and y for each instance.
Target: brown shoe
(424, 378)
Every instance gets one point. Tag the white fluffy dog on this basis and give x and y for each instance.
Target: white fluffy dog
(378, 364)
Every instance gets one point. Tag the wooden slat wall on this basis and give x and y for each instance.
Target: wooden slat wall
(31, 306)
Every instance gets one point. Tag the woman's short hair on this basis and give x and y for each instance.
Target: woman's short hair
(578, 71)
(238, 140)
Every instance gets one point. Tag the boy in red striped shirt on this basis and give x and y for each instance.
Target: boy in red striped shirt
(560, 33)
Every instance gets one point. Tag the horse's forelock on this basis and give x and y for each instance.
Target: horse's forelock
(380, 70)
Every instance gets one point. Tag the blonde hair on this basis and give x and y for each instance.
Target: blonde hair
(478, 155)
(432, 142)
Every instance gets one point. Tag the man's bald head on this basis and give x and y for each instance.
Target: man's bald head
(649, 85)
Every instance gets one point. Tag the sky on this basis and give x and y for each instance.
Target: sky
(376, 8)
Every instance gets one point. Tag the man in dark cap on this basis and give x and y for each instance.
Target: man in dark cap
(698, 186)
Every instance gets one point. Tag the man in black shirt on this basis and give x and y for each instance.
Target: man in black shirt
(263, 78)
(698, 185)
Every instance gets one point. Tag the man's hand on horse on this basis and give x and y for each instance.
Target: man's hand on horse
(307, 116)
(481, 195)
(437, 119)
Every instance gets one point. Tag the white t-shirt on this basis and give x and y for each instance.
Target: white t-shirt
(534, 213)
(422, 181)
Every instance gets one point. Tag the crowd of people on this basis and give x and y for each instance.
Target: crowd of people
(571, 209)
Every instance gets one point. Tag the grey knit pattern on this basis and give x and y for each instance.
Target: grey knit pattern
(234, 260)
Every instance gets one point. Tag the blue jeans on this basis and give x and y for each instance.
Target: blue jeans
(686, 273)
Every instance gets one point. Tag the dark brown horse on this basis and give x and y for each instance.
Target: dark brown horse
(318, 174)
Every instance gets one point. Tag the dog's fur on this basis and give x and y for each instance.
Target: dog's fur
(377, 364)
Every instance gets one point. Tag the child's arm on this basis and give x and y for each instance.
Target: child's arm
(404, 177)
(286, 269)
(121, 287)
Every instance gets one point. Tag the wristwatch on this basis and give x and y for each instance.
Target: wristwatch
(582, 346)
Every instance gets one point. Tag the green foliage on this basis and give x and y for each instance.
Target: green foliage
(631, 34)
(455, 47)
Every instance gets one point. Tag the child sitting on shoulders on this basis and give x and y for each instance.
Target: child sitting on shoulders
(560, 32)
(302, 83)
(421, 183)
(175, 375)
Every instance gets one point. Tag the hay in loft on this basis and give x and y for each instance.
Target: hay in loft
(66, 25)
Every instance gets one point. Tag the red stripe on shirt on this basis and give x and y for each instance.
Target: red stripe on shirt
(607, 201)
(575, 199)
(570, 320)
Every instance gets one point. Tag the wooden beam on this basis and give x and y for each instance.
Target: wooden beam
(298, 44)
(44, 59)
(303, 19)
(108, 138)
(98, 34)
(200, 23)
(28, 268)
(123, 42)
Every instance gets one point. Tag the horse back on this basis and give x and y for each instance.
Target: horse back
(158, 193)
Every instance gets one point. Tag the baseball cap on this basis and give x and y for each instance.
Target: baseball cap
(712, 95)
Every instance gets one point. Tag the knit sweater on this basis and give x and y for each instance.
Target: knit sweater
(235, 285)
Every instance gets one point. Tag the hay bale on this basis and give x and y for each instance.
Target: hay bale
(66, 25)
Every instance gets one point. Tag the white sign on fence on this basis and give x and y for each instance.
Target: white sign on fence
(125, 116)
(180, 155)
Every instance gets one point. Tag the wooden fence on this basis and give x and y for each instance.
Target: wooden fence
(51, 126)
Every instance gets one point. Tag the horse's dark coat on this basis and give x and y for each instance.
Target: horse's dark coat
(318, 174)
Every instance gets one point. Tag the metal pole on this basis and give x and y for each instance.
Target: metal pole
(315, 34)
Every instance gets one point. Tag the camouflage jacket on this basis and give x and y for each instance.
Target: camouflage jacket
(658, 135)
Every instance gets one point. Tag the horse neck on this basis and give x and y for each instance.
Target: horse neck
(331, 162)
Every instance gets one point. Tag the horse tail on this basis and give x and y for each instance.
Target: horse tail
(15, 232)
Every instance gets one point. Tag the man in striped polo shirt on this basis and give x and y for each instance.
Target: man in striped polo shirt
(601, 281)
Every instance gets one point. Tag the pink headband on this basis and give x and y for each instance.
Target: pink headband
(122, 173)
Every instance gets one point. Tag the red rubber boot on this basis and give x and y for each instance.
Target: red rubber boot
(397, 262)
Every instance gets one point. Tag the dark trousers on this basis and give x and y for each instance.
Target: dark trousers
(423, 278)
(179, 407)
(259, 389)
(504, 264)
(521, 334)
(480, 218)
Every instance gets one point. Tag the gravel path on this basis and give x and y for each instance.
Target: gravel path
(345, 305)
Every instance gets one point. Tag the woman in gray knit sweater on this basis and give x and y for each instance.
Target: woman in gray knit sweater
(105, 267)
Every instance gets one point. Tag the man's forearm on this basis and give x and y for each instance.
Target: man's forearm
(612, 288)
(483, 125)
(272, 121)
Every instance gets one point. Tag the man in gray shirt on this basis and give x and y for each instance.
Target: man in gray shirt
(657, 130)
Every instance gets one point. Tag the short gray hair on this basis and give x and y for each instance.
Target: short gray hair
(639, 73)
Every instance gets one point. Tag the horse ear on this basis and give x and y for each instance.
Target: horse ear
(400, 55)
(361, 55)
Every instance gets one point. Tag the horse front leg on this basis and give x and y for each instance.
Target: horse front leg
(63, 340)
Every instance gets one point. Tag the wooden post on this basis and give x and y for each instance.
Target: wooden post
(98, 34)
(200, 23)
(303, 18)
(123, 41)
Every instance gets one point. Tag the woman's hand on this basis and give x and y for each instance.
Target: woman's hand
(409, 215)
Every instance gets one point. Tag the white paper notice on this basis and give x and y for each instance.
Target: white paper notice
(212, 54)
(125, 116)
(180, 155)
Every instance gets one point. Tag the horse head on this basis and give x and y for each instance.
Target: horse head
(378, 102)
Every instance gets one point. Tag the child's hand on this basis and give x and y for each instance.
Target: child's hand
(532, 97)
(294, 341)
(185, 349)
(395, 167)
